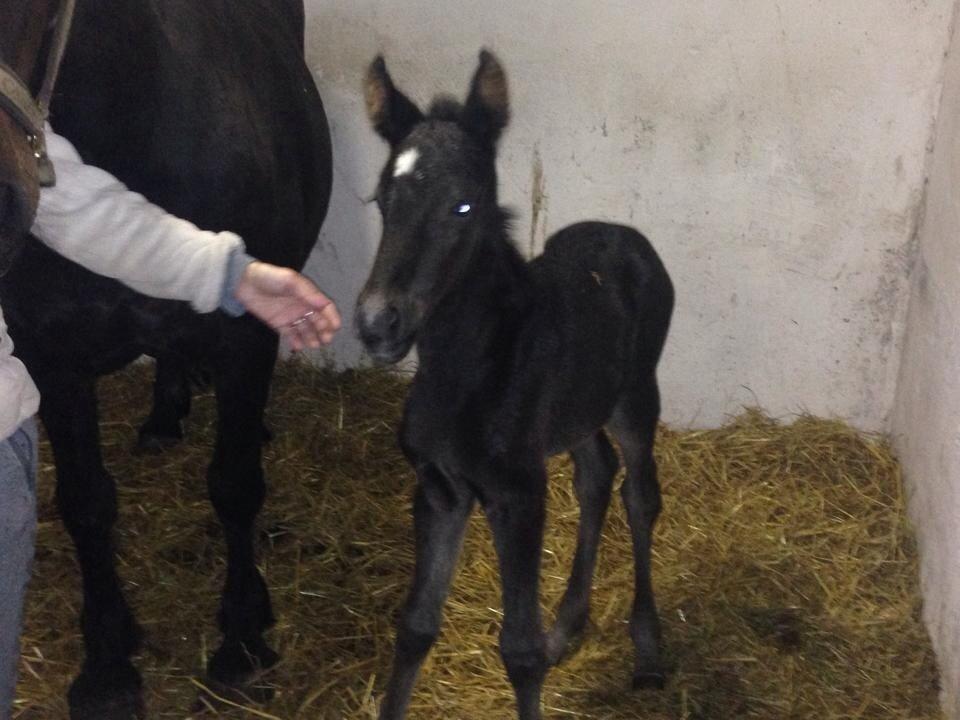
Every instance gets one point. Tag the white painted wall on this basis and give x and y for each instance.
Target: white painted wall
(774, 152)
(926, 420)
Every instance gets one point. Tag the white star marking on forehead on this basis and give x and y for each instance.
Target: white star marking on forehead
(405, 162)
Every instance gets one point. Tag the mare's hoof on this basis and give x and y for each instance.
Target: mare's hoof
(156, 438)
(236, 675)
(214, 696)
(107, 693)
(235, 664)
(649, 680)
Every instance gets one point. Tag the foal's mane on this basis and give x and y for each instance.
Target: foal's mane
(446, 107)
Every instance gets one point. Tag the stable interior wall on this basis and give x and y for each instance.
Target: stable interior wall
(774, 152)
(926, 419)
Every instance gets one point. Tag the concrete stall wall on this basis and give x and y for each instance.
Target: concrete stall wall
(926, 419)
(774, 152)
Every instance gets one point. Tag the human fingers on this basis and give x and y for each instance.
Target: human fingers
(322, 327)
(290, 335)
(313, 329)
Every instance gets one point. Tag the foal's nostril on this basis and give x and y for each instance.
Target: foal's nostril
(379, 322)
(385, 325)
(391, 318)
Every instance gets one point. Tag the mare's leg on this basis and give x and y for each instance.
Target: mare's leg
(595, 465)
(634, 424)
(108, 686)
(171, 403)
(440, 511)
(244, 367)
(515, 509)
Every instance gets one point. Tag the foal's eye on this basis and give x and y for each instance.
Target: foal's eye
(463, 209)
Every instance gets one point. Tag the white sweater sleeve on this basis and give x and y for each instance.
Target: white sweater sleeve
(92, 218)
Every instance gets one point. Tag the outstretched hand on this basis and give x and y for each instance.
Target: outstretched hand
(289, 303)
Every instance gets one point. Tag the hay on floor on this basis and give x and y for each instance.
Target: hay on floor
(784, 569)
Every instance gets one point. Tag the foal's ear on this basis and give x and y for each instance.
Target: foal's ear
(487, 109)
(392, 113)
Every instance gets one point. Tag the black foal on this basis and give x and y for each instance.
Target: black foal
(518, 361)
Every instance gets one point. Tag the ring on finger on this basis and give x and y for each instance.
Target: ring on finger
(302, 319)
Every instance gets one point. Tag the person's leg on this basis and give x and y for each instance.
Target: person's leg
(18, 524)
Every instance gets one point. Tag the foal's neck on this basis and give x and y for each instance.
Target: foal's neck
(477, 321)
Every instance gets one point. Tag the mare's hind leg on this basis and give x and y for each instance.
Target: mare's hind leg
(236, 485)
(171, 403)
(440, 511)
(595, 465)
(108, 687)
(634, 424)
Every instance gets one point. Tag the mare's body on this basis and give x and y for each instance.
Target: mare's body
(208, 109)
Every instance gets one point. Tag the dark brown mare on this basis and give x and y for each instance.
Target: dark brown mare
(208, 109)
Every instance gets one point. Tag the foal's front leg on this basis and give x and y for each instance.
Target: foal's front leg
(441, 507)
(515, 510)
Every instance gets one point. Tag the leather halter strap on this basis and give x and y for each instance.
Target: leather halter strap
(31, 113)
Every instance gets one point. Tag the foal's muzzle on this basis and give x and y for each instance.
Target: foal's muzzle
(383, 327)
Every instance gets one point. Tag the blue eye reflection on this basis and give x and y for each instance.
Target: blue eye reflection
(463, 209)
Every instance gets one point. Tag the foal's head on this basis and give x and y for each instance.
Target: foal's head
(438, 199)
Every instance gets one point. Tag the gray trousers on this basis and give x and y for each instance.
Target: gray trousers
(18, 527)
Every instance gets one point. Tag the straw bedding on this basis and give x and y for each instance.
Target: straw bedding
(784, 568)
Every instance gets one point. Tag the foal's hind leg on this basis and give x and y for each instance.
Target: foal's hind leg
(595, 465)
(171, 403)
(634, 424)
(108, 687)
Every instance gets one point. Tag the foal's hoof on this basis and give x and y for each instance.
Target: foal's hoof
(155, 437)
(561, 645)
(649, 680)
(107, 693)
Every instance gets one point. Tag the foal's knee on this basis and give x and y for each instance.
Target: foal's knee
(414, 639)
(524, 656)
